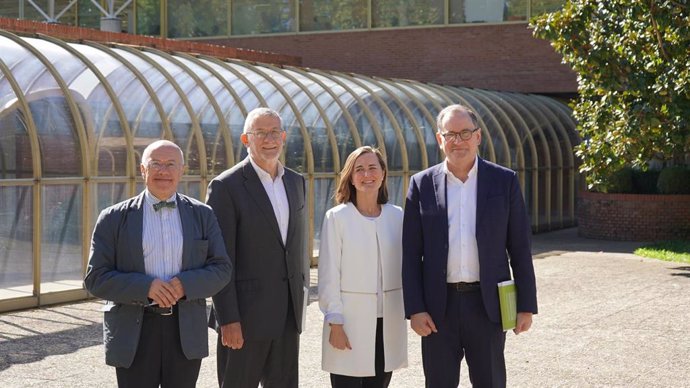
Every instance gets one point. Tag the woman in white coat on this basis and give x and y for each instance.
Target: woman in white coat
(360, 284)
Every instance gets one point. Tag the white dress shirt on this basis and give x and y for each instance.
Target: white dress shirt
(463, 255)
(161, 239)
(277, 195)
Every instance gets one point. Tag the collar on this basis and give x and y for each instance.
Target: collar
(150, 199)
(470, 175)
(263, 175)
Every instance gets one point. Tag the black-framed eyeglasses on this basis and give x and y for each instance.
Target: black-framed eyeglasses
(465, 134)
(262, 135)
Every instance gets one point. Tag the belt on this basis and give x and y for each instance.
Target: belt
(464, 286)
(155, 309)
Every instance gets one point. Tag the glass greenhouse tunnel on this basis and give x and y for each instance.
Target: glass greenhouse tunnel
(74, 119)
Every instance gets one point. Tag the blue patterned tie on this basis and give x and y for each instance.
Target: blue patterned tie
(158, 206)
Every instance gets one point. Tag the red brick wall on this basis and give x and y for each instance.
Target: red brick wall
(499, 57)
(76, 33)
(633, 217)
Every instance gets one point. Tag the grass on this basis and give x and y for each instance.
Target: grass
(678, 251)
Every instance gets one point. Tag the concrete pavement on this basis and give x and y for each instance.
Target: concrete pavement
(607, 318)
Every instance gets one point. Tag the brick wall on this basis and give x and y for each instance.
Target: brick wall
(500, 57)
(77, 33)
(633, 217)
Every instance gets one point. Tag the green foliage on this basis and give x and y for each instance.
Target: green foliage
(644, 182)
(678, 251)
(633, 67)
(674, 180)
(621, 181)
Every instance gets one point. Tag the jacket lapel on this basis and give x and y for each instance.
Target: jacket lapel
(482, 190)
(258, 194)
(134, 225)
(293, 200)
(439, 179)
(187, 219)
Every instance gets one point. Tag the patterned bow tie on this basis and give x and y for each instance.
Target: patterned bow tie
(158, 206)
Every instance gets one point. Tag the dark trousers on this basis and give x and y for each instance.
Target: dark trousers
(159, 359)
(271, 362)
(380, 380)
(467, 332)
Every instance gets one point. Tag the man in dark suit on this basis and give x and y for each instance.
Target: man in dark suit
(465, 228)
(260, 206)
(155, 258)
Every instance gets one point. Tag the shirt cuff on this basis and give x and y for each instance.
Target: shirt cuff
(335, 318)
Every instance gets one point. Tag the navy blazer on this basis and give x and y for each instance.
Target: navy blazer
(116, 273)
(503, 239)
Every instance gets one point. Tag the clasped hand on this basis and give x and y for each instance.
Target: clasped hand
(166, 294)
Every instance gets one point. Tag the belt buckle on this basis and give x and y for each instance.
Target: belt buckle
(169, 312)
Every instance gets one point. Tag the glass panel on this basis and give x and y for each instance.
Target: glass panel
(61, 244)
(264, 16)
(60, 152)
(148, 17)
(15, 146)
(191, 189)
(317, 15)
(400, 13)
(395, 194)
(106, 194)
(89, 15)
(188, 19)
(9, 9)
(16, 244)
(483, 11)
(56, 133)
(324, 189)
(539, 7)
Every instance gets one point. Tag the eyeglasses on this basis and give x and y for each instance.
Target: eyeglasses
(159, 166)
(465, 134)
(262, 135)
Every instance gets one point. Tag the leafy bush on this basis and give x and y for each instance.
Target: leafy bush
(621, 181)
(644, 182)
(674, 180)
(633, 74)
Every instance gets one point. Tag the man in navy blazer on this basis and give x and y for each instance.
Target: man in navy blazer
(155, 258)
(465, 228)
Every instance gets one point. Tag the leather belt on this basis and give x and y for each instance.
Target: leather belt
(165, 311)
(464, 286)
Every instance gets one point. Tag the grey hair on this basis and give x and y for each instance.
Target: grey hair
(455, 108)
(259, 112)
(146, 155)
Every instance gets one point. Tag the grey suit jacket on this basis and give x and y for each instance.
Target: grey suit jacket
(116, 273)
(266, 271)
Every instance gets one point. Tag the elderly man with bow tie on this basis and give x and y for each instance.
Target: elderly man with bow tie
(155, 258)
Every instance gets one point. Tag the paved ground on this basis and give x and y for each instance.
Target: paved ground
(607, 318)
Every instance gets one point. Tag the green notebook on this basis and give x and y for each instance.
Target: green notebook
(507, 299)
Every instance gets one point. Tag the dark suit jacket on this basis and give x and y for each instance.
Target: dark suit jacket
(503, 238)
(116, 273)
(266, 271)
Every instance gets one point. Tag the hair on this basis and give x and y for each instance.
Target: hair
(259, 112)
(146, 155)
(447, 111)
(346, 192)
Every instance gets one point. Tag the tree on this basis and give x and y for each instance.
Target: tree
(632, 59)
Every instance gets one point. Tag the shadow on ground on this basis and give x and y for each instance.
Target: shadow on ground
(37, 346)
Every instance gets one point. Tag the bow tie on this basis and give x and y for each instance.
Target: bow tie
(158, 206)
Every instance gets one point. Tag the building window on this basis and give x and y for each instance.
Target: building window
(194, 18)
(149, 17)
(265, 16)
(401, 13)
(325, 15)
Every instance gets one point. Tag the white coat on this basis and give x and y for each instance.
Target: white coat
(348, 268)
